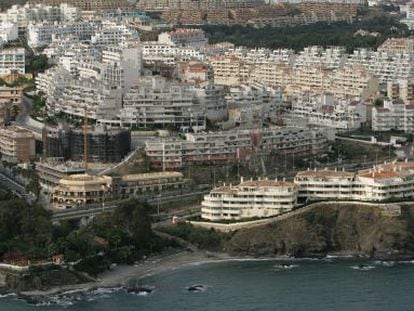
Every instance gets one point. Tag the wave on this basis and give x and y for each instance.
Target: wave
(363, 267)
(385, 263)
(6, 295)
(285, 266)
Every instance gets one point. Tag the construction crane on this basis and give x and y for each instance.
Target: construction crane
(85, 140)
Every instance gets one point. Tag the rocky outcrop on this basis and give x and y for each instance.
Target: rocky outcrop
(351, 229)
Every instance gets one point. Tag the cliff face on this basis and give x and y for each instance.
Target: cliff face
(343, 228)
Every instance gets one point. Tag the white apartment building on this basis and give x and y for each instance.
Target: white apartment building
(183, 37)
(354, 82)
(124, 62)
(154, 101)
(387, 67)
(22, 16)
(155, 52)
(16, 144)
(392, 181)
(8, 32)
(251, 104)
(113, 34)
(12, 60)
(262, 55)
(326, 111)
(331, 58)
(212, 99)
(394, 115)
(98, 100)
(230, 70)
(42, 34)
(401, 90)
(254, 198)
(216, 147)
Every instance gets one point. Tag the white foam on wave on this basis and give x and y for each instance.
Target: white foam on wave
(385, 263)
(8, 295)
(285, 266)
(363, 267)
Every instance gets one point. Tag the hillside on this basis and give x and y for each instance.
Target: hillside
(328, 229)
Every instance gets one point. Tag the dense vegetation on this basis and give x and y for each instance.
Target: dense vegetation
(323, 34)
(121, 237)
(202, 238)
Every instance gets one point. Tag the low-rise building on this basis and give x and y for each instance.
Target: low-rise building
(52, 170)
(80, 190)
(254, 198)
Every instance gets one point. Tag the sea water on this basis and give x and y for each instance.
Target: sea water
(329, 284)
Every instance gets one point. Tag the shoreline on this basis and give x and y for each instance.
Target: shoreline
(122, 275)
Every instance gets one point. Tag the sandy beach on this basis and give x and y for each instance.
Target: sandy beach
(121, 275)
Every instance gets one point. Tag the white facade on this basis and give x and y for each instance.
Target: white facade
(22, 16)
(394, 115)
(8, 31)
(392, 181)
(157, 102)
(12, 60)
(326, 111)
(254, 198)
(183, 37)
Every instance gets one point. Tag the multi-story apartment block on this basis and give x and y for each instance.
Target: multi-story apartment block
(326, 111)
(172, 153)
(183, 37)
(401, 90)
(154, 101)
(22, 16)
(79, 190)
(330, 58)
(105, 145)
(12, 60)
(113, 34)
(394, 115)
(125, 64)
(16, 144)
(392, 181)
(212, 99)
(42, 34)
(254, 99)
(90, 5)
(387, 67)
(98, 100)
(254, 198)
(8, 32)
(397, 46)
(230, 70)
(354, 82)
(12, 95)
